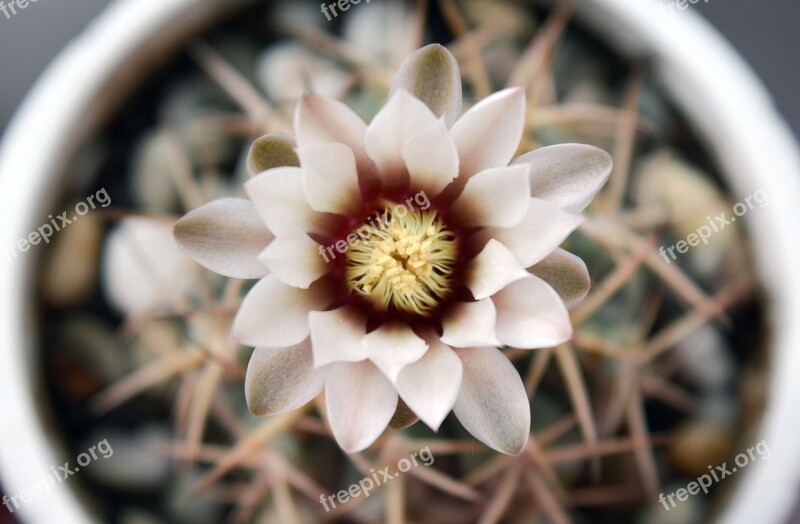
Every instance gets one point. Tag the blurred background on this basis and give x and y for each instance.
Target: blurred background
(763, 32)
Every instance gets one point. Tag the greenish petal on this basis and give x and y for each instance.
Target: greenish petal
(431, 74)
(270, 151)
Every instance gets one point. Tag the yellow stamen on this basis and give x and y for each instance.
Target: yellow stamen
(403, 262)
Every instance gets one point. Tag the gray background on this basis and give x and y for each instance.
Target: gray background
(764, 31)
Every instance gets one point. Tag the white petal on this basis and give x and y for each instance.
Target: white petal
(276, 315)
(531, 315)
(494, 268)
(431, 158)
(543, 228)
(330, 179)
(143, 267)
(568, 175)
(489, 134)
(402, 117)
(360, 403)
(567, 274)
(470, 324)
(495, 197)
(281, 201)
(336, 336)
(492, 404)
(295, 258)
(430, 385)
(432, 75)
(392, 347)
(281, 379)
(226, 237)
(321, 120)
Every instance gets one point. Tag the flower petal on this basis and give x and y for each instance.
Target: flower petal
(431, 74)
(396, 122)
(431, 158)
(489, 134)
(295, 258)
(392, 347)
(336, 336)
(330, 179)
(430, 385)
(495, 197)
(321, 120)
(360, 403)
(492, 404)
(531, 315)
(494, 268)
(543, 228)
(567, 274)
(470, 324)
(568, 175)
(281, 379)
(270, 151)
(226, 237)
(281, 201)
(276, 315)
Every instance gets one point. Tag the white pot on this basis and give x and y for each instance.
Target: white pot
(736, 120)
(78, 91)
(705, 77)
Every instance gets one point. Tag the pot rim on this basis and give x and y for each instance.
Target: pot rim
(696, 67)
(119, 44)
(756, 149)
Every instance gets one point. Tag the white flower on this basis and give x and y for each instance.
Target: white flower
(417, 305)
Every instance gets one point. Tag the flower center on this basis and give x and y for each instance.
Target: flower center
(402, 261)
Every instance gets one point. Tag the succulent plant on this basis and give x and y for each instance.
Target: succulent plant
(438, 258)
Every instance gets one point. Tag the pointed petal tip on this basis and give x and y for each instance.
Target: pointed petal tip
(281, 380)
(568, 175)
(360, 403)
(492, 403)
(430, 386)
(432, 75)
(224, 236)
(392, 347)
(517, 450)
